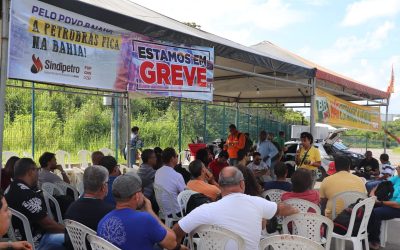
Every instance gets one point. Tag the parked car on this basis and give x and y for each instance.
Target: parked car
(328, 148)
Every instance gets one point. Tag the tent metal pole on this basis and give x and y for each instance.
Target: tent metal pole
(3, 77)
(312, 105)
(33, 120)
(223, 129)
(205, 122)
(116, 126)
(128, 130)
(386, 122)
(180, 125)
(237, 115)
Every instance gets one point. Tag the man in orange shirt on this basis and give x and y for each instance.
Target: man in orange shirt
(235, 142)
(203, 181)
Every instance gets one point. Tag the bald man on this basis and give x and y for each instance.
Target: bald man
(236, 211)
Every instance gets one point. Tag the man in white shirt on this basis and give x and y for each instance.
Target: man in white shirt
(259, 168)
(169, 180)
(386, 171)
(237, 212)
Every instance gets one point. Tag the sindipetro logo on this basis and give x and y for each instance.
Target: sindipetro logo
(37, 65)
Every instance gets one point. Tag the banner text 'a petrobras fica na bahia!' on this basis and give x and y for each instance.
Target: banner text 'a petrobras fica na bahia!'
(52, 45)
(338, 112)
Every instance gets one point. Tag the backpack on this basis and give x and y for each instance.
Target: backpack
(384, 191)
(195, 201)
(342, 221)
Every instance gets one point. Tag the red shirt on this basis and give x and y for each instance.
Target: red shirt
(216, 168)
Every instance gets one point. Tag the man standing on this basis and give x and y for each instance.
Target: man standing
(24, 197)
(171, 181)
(280, 139)
(90, 208)
(127, 226)
(135, 144)
(235, 142)
(368, 167)
(48, 164)
(308, 156)
(237, 212)
(267, 151)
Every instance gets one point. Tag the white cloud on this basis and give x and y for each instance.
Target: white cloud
(235, 20)
(364, 10)
(345, 49)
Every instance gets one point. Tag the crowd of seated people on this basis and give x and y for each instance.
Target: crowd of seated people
(112, 200)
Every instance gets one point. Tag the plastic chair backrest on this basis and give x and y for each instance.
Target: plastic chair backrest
(289, 242)
(52, 188)
(159, 193)
(65, 186)
(84, 157)
(107, 151)
(215, 237)
(309, 225)
(98, 243)
(25, 224)
(347, 198)
(368, 205)
(273, 195)
(47, 198)
(183, 198)
(77, 233)
(27, 155)
(7, 155)
(63, 158)
(303, 205)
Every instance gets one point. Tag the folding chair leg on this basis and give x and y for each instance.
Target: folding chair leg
(357, 245)
(383, 236)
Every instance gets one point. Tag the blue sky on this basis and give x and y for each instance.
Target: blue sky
(359, 39)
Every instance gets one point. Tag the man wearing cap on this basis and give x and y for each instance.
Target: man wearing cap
(240, 213)
(133, 224)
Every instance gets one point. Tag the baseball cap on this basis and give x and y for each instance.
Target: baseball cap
(331, 168)
(126, 185)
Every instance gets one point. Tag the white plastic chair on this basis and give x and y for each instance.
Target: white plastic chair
(362, 234)
(84, 157)
(63, 158)
(27, 155)
(183, 198)
(98, 243)
(289, 242)
(303, 205)
(47, 198)
(25, 224)
(7, 155)
(347, 198)
(309, 225)
(77, 233)
(107, 151)
(384, 229)
(215, 237)
(274, 195)
(159, 193)
(65, 186)
(51, 188)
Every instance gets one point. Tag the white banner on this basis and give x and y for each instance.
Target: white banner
(52, 45)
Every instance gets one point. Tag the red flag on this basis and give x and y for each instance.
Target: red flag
(390, 88)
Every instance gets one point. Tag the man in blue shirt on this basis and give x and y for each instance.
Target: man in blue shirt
(384, 210)
(111, 164)
(267, 150)
(133, 224)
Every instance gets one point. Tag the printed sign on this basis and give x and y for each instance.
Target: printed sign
(335, 111)
(52, 45)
